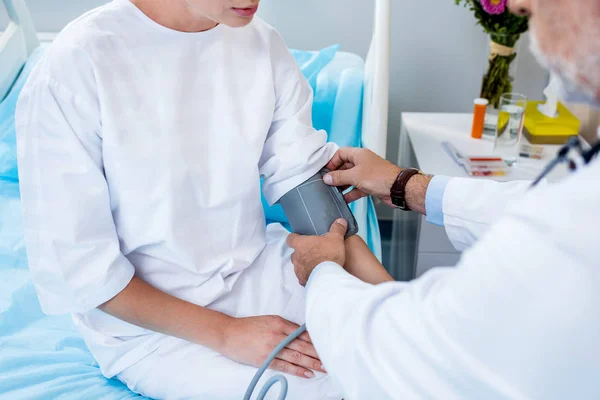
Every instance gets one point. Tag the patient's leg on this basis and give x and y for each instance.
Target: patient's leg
(180, 370)
(363, 264)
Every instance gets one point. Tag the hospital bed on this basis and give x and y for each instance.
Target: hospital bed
(44, 357)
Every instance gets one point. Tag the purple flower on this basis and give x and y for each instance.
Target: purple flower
(494, 6)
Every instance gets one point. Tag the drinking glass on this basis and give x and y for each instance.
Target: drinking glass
(511, 116)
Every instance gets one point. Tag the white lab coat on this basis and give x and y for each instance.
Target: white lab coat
(518, 318)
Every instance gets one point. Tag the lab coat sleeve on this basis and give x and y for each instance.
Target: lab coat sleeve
(72, 244)
(470, 206)
(293, 151)
(340, 317)
(514, 315)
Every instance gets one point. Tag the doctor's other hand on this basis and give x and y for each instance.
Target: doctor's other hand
(310, 251)
(363, 169)
(250, 341)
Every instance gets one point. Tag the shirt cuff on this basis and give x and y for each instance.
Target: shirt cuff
(434, 200)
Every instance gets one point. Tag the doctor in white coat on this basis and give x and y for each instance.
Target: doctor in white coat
(519, 317)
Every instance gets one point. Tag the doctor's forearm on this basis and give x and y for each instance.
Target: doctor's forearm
(145, 306)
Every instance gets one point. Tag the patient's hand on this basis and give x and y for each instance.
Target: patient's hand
(310, 251)
(250, 341)
(363, 264)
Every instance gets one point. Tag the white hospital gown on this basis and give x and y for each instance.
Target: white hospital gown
(140, 152)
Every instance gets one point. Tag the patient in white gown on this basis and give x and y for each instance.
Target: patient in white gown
(142, 138)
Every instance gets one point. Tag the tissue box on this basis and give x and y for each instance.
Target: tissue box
(540, 129)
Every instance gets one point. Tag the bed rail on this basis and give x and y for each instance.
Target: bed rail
(17, 43)
(377, 82)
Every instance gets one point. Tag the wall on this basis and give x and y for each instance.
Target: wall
(438, 57)
(438, 53)
(53, 15)
(590, 120)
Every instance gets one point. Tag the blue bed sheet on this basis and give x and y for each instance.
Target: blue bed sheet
(44, 357)
(40, 357)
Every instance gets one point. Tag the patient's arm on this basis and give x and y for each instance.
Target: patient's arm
(363, 264)
(245, 340)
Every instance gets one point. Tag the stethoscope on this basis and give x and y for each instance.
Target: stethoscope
(566, 155)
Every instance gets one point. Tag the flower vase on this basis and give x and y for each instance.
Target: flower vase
(499, 77)
(501, 68)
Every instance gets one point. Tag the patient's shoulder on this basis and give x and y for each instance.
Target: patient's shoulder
(71, 58)
(277, 48)
(260, 25)
(86, 30)
(66, 64)
(269, 34)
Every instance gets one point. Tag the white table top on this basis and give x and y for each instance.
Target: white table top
(427, 131)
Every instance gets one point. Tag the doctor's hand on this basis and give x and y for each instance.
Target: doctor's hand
(372, 175)
(250, 341)
(363, 169)
(310, 251)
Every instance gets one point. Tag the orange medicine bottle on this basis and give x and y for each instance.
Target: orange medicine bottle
(479, 118)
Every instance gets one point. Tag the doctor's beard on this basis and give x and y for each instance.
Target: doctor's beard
(581, 74)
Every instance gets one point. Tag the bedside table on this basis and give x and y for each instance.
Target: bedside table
(416, 245)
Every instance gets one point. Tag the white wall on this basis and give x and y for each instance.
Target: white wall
(438, 53)
(53, 15)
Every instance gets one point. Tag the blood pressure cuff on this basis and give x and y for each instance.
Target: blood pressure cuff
(312, 207)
